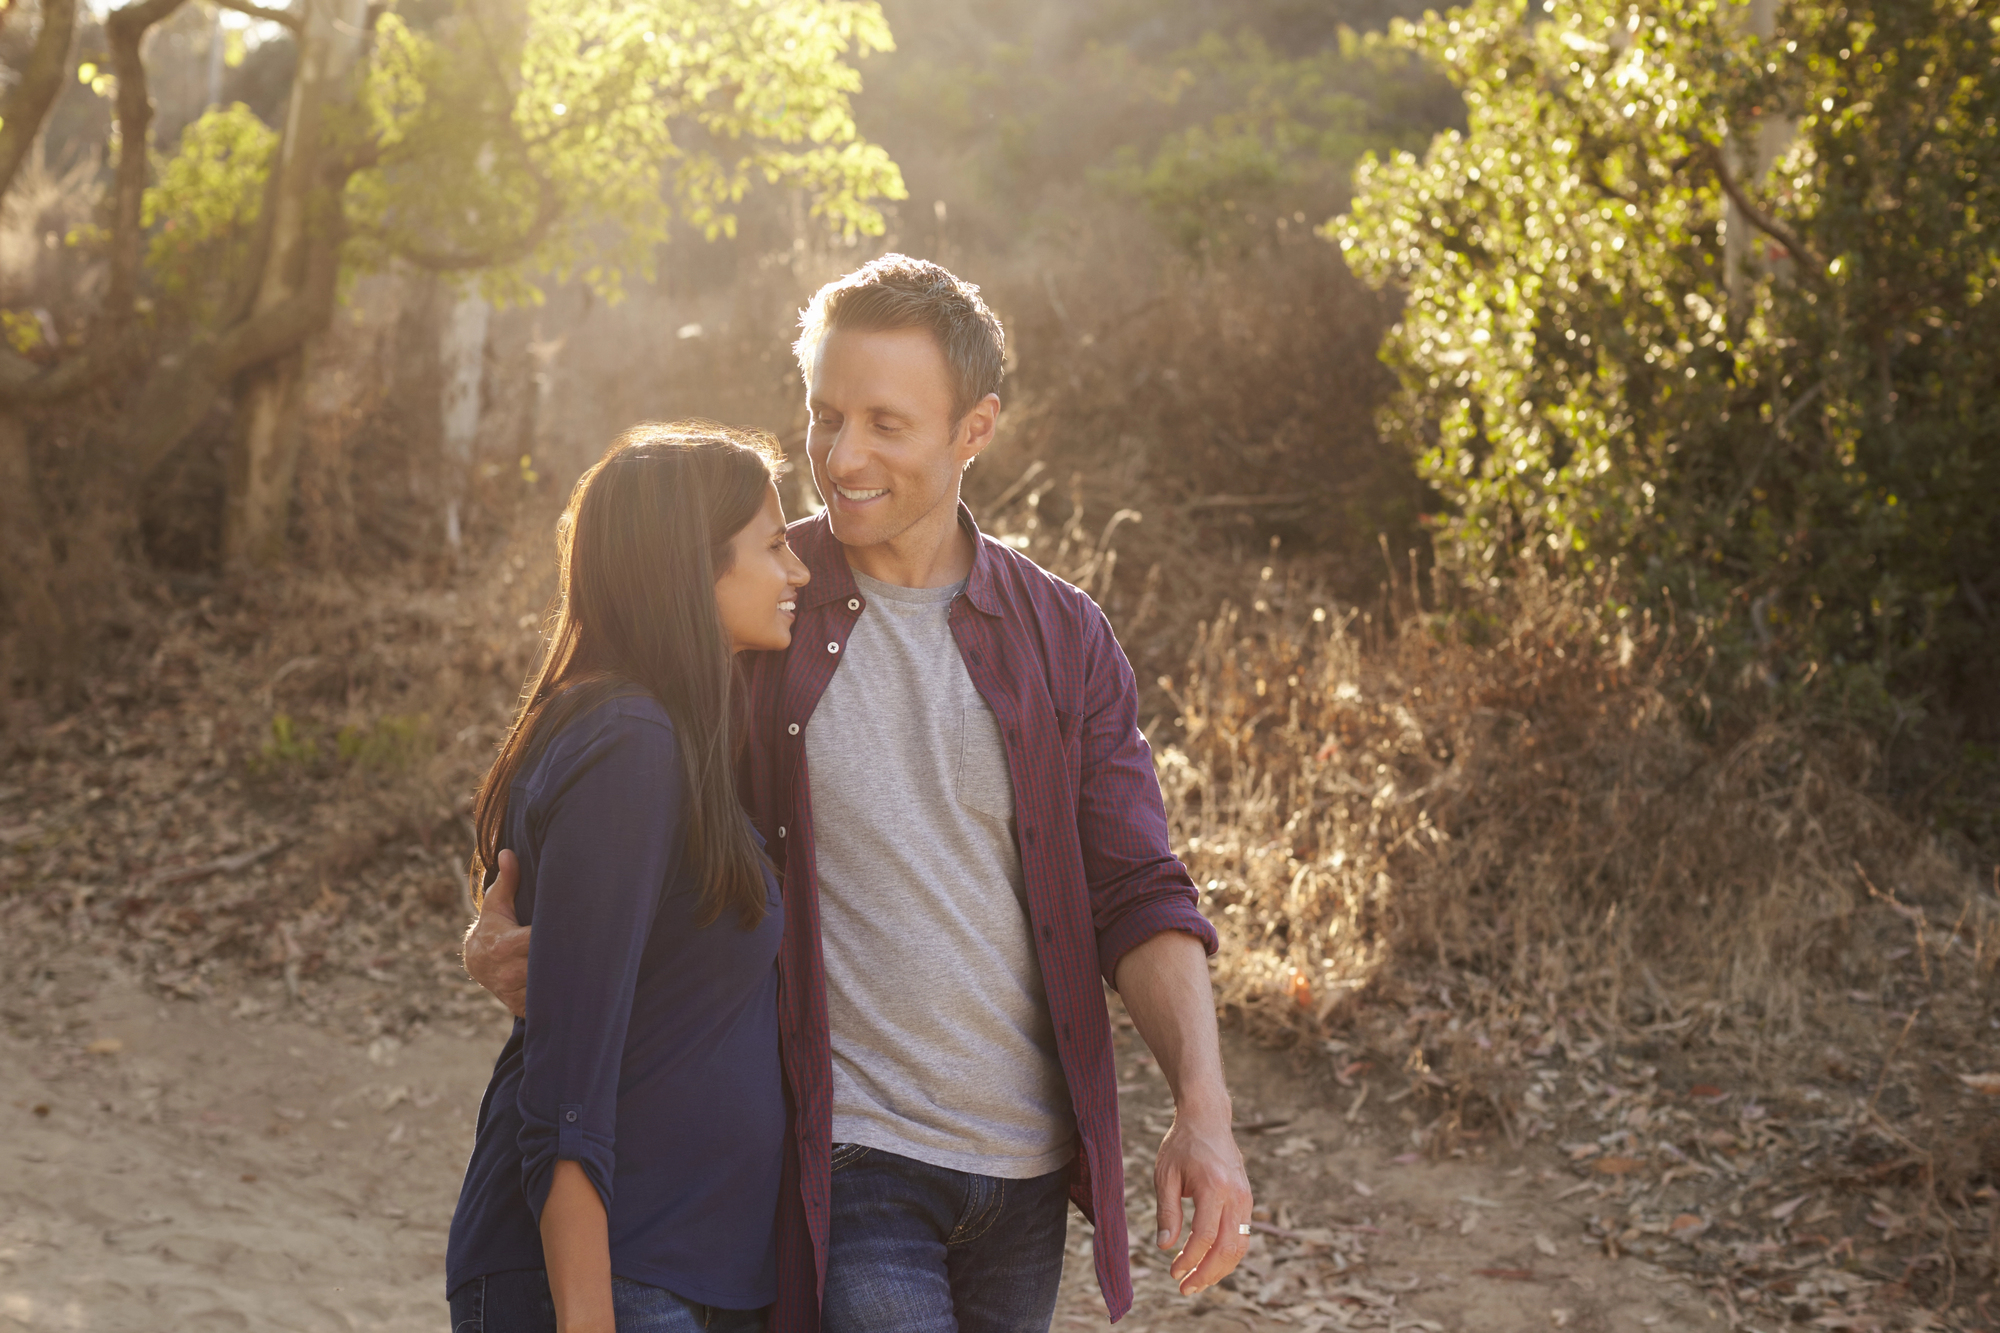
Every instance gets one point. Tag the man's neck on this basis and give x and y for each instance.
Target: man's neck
(932, 553)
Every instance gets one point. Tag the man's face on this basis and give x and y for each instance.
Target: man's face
(886, 454)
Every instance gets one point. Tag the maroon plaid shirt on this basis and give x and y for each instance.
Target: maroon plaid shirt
(1092, 833)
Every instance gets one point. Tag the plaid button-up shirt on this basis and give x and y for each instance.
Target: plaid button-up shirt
(1089, 823)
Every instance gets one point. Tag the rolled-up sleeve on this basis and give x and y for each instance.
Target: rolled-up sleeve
(1138, 887)
(612, 828)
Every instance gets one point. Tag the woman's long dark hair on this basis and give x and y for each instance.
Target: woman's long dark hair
(646, 535)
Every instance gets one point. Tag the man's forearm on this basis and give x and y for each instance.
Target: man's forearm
(1164, 983)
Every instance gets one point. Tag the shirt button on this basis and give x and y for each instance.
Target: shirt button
(570, 1116)
(781, 830)
(833, 647)
(854, 603)
(792, 730)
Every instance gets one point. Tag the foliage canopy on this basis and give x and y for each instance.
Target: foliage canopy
(563, 139)
(1808, 457)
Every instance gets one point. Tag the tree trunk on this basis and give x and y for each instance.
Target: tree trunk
(42, 637)
(1752, 152)
(462, 352)
(35, 88)
(271, 399)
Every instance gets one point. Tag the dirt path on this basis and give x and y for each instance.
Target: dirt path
(195, 1166)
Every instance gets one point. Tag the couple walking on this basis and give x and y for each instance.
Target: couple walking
(861, 1102)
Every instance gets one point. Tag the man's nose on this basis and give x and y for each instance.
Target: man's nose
(843, 453)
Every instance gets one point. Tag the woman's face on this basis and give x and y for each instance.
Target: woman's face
(757, 597)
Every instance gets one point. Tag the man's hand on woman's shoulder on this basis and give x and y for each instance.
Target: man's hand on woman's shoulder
(496, 946)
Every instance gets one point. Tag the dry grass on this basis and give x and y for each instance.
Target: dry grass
(1500, 841)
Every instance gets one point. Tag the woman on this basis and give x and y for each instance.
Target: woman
(625, 1172)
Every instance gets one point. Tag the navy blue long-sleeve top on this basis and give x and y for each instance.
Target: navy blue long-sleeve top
(649, 1055)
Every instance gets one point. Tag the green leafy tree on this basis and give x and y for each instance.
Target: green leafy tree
(508, 140)
(201, 216)
(1709, 288)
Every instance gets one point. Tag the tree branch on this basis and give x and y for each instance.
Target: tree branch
(28, 383)
(125, 30)
(25, 382)
(1811, 264)
(184, 385)
(548, 208)
(285, 17)
(28, 101)
(281, 328)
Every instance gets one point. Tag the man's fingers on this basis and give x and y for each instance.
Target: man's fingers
(499, 901)
(1167, 1200)
(1201, 1238)
(1229, 1244)
(496, 947)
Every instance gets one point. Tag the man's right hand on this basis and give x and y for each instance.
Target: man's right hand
(496, 947)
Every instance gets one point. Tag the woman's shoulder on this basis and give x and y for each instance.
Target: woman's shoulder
(636, 711)
(630, 725)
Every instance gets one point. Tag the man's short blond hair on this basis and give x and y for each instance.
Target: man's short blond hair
(898, 292)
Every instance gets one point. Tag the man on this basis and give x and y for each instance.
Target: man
(948, 769)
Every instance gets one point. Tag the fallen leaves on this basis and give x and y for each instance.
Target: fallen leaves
(1787, 1208)
(1686, 1226)
(1617, 1166)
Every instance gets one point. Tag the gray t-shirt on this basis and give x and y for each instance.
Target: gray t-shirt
(943, 1049)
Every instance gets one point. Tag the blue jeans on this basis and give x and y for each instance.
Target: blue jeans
(915, 1248)
(519, 1302)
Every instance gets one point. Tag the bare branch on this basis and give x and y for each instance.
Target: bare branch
(1809, 261)
(125, 30)
(286, 17)
(27, 383)
(28, 101)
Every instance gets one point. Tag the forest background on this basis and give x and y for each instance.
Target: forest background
(1540, 460)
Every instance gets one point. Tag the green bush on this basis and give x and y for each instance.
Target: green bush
(1803, 455)
(389, 744)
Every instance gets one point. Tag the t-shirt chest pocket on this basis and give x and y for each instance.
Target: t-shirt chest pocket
(984, 784)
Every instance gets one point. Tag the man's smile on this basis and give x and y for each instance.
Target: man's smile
(855, 495)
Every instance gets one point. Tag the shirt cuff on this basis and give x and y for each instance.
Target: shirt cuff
(567, 1140)
(1141, 924)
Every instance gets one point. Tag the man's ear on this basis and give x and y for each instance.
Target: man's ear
(976, 431)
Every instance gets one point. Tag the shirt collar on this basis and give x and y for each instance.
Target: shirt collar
(832, 580)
